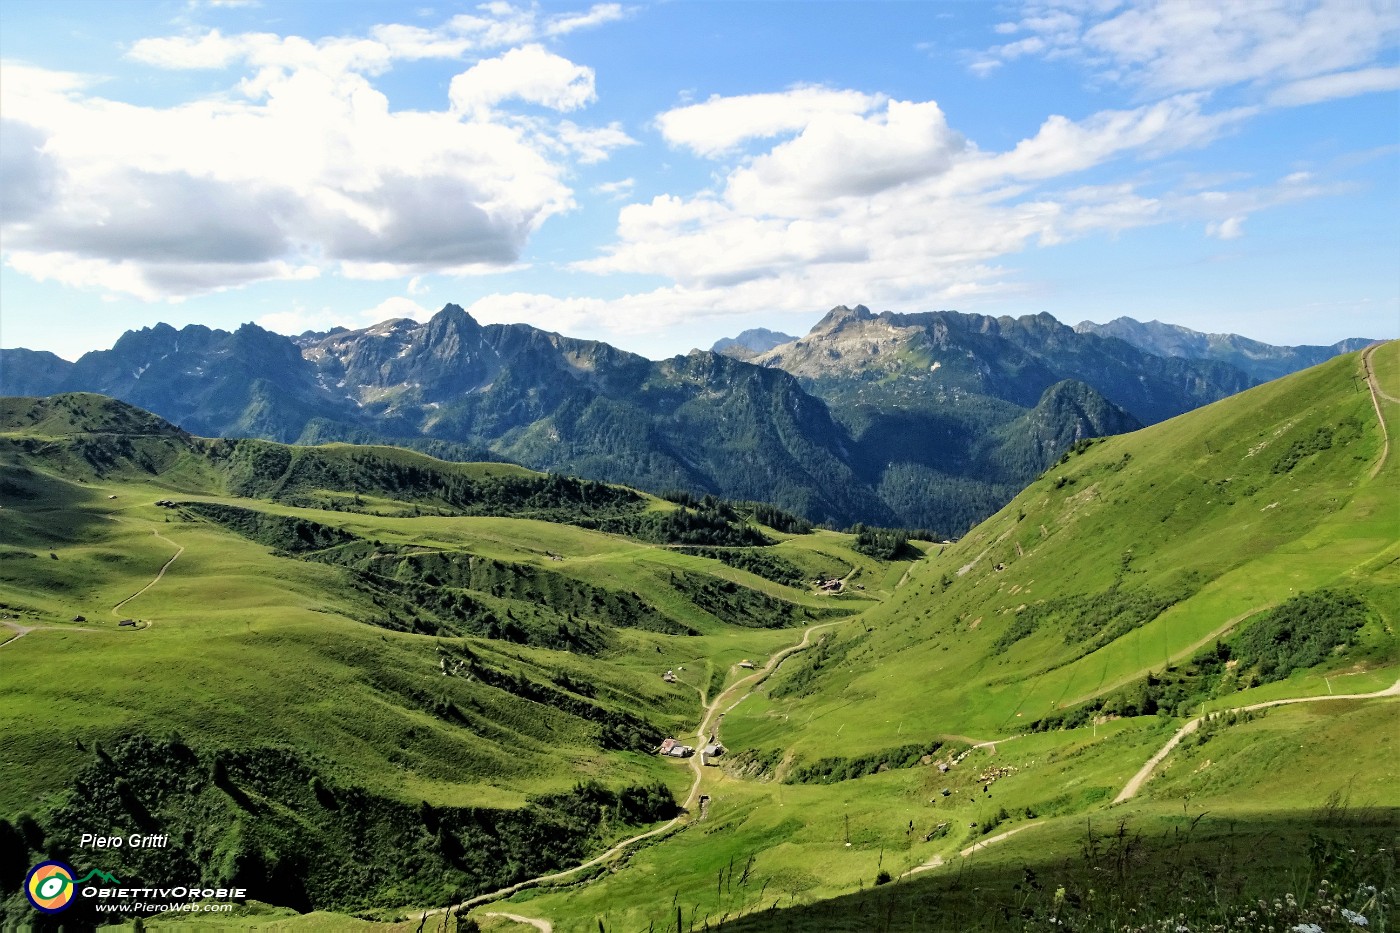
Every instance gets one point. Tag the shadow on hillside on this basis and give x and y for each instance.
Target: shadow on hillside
(1131, 875)
(41, 511)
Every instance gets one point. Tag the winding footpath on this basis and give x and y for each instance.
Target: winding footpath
(1133, 786)
(23, 630)
(164, 567)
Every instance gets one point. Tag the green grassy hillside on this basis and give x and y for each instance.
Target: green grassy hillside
(240, 643)
(1240, 554)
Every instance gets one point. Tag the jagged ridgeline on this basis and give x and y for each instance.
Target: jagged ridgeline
(930, 420)
(431, 664)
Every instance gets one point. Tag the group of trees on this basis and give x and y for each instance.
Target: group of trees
(710, 522)
(757, 562)
(883, 543)
(828, 652)
(1092, 620)
(831, 770)
(738, 605)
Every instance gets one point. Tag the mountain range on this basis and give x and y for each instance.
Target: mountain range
(1261, 361)
(927, 420)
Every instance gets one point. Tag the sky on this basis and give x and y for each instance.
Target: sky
(662, 174)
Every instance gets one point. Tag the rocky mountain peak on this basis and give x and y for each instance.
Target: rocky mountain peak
(839, 317)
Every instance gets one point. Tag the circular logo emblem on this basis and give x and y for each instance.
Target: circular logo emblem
(49, 886)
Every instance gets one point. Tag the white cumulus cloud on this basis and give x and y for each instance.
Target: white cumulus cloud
(530, 74)
(301, 167)
(893, 205)
(720, 124)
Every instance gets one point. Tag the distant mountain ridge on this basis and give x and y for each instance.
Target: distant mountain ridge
(1261, 361)
(927, 420)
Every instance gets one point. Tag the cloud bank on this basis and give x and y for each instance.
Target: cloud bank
(302, 167)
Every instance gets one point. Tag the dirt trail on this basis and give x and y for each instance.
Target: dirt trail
(23, 630)
(20, 631)
(544, 926)
(1377, 393)
(979, 846)
(963, 570)
(163, 569)
(938, 861)
(1133, 786)
(930, 865)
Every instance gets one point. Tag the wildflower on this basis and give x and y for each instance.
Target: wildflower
(1354, 917)
(1307, 928)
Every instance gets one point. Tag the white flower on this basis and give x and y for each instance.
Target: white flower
(1355, 917)
(1307, 928)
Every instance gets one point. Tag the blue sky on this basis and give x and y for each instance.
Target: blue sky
(660, 175)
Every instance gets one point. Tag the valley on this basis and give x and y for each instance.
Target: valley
(1174, 644)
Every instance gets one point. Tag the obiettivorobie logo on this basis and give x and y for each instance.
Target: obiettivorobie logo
(50, 885)
(53, 886)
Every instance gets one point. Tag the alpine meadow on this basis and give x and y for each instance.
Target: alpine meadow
(652, 467)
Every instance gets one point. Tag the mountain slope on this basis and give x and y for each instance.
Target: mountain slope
(1135, 548)
(703, 423)
(853, 354)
